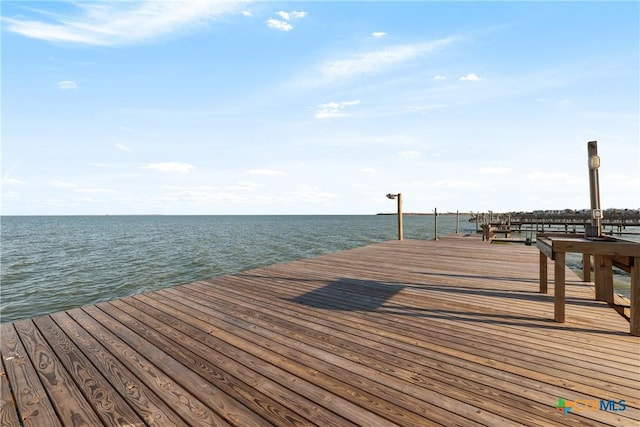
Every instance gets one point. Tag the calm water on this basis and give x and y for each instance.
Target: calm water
(56, 263)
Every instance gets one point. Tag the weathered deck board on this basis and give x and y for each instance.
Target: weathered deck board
(408, 333)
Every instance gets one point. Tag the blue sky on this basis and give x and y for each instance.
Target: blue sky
(201, 107)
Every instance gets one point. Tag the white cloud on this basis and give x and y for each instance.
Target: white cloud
(266, 172)
(294, 14)
(457, 184)
(11, 181)
(548, 178)
(379, 34)
(61, 184)
(118, 23)
(333, 109)
(122, 147)
(246, 186)
(368, 170)
(67, 85)
(440, 77)
(410, 154)
(471, 77)
(246, 13)
(170, 167)
(377, 61)
(95, 190)
(284, 24)
(279, 25)
(490, 170)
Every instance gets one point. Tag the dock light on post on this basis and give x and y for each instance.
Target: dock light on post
(399, 198)
(595, 230)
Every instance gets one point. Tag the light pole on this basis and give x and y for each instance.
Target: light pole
(399, 197)
(594, 191)
(435, 225)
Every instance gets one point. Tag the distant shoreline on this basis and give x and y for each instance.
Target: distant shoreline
(424, 213)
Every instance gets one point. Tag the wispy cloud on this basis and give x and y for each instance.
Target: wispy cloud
(11, 181)
(457, 184)
(440, 77)
(95, 190)
(287, 16)
(173, 167)
(266, 172)
(333, 109)
(410, 154)
(61, 184)
(67, 85)
(283, 23)
(246, 186)
(123, 147)
(492, 170)
(471, 77)
(368, 170)
(379, 34)
(552, 178)
(118, 23)
(279, 25)
(373, 62)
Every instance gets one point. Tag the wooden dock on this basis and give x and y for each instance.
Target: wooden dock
(451, 332)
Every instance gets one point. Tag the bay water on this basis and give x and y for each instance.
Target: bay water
(53, 263)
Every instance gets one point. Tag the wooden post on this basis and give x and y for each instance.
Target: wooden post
(635, 297)
(594, 190)
(477, 215)
(435, 228)
(543, 273)
(586, 267)
(400, 230)
(558, 287)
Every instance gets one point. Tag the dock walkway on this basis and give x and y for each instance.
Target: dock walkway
(411, 333)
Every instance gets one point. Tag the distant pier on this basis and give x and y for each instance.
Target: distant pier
(615, 221)
(453, 332)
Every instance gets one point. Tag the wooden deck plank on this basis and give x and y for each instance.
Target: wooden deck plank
(8, 409)
(257, 354)
(192, 411)
(199, 356)
(146, 403)
(108, 405)
(33, 406)
(360, 391)
(67, 399)
(411, 333)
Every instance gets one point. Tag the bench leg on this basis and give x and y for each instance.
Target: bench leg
(558, 287)
(635, 297)
(543, 273)
(586, 267)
